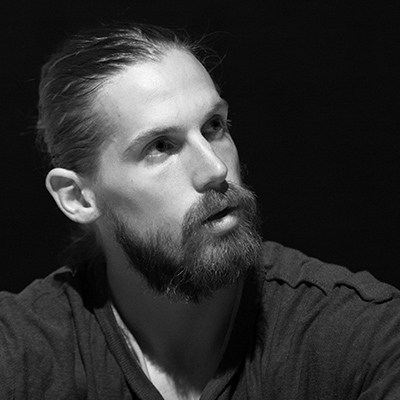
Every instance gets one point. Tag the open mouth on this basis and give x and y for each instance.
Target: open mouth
(219, 215)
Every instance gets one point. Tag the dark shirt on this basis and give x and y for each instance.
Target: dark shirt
(304, 330)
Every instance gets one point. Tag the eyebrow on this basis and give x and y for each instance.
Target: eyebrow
(160, 131)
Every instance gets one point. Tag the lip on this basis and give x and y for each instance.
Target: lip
(218, 215)
(227, 220)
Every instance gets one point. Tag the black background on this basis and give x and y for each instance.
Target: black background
(314, 91)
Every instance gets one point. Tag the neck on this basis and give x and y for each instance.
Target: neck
(185, 340)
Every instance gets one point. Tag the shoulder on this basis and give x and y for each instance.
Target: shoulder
(38, 334)
(340, 329)
(41, 297)
(329, 300)
(293, 268)
(44, 309)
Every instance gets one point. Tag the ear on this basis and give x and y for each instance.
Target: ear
(73, 197)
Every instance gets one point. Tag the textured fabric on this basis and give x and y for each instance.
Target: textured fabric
(304, 330)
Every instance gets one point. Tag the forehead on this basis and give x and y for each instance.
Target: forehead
(175, 89)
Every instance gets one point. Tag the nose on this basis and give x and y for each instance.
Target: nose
(207, 168)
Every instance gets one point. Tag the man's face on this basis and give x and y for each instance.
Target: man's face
(169, 147)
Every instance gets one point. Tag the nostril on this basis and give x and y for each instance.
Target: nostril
(224, 186)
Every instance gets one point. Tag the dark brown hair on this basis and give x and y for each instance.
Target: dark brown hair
(68, 127)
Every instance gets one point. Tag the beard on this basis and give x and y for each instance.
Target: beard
(197, 263)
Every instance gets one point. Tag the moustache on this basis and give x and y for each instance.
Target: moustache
(216, 203)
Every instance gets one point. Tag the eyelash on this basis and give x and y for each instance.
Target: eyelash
(165, 141)
(224, 126)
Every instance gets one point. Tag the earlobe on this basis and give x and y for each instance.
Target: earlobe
(72, 197)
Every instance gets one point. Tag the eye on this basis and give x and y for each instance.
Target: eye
(216, 128)
(159, 147)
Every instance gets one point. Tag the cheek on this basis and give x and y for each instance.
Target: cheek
(121, 202)
(143, 195)
(158, 202)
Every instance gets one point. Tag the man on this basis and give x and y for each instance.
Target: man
(176, 297)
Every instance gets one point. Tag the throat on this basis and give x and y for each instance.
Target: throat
(182, 372)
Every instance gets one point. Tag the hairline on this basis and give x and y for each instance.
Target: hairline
(102, 122)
